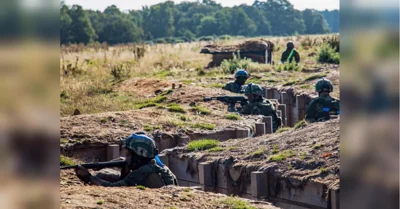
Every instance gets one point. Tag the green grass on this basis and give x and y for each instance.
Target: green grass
(204, 126)
(300, 124)
(201, 110)
(176, 108)
(323, 170)
(233, 116)
(141, 187)
(184, 118)
(289, 83)
(275, 149)
(260, 151)
(235, 203)
(203, 144)
(66, 161)
(100, 202)
(317, 146)
(303, 155)
(282, 156)
(148, 127)
(233, 148)
(217, 149)
(315, 76)
(282, 129)
(187, 189)
(63, 141)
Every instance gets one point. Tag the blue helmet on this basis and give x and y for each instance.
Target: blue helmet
(241, 72)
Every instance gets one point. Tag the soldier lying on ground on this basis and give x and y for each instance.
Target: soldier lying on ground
(238, 85)
(260, 106)
(322, 107)
(143, 168)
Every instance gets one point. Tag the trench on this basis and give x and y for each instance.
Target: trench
(265, 184)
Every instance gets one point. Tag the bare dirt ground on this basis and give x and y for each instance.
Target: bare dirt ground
(76, 195)
(308, 153)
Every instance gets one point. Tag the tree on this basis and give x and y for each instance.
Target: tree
(65, 25)
(81, 28)
(208, 26)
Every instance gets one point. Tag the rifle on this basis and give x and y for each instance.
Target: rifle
(229, 100)
(99, 165)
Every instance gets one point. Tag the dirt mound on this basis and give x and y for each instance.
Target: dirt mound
(311, 152)
(145, 87)
(249, 46)
(75, 195)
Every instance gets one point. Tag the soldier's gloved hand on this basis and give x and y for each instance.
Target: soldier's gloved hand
(82, 173)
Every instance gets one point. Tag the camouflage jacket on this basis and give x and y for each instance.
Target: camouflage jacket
(321, 108)
(150, 175)
(295, 55)
(265, 108)
(234, 87)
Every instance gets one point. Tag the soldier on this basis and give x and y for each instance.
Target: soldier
(143, 168)
(289, 53)
(260, 106)
(238, 85)
(322, 107)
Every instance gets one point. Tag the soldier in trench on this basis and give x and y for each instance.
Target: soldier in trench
(143, 168)
(324, 106)
(238, 85)
(260, 106)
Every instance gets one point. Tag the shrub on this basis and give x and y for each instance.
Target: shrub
(225, 37)
(333, 41)
(230, 66)
(203, 144)
(120, 72)
(328, 55)
(206, 38)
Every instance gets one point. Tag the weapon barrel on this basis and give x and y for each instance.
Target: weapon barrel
(99, 165)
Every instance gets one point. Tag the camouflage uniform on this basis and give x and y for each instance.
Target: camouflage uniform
(286, 54)
(234, 87)
(321, 108)
(263, 107)
(241, 76)
(152, 174)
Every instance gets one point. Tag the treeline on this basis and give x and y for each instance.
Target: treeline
(189, 20)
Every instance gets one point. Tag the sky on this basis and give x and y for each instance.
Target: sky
(137, 4)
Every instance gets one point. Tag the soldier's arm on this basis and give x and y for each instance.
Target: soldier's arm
(132, 179)
(297, 57)
(310, 113)
(283, 57)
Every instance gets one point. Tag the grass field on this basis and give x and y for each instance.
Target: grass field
(91, 78)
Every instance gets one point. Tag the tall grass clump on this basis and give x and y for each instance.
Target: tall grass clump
(203, 144)
(230, 66)
(327, 54)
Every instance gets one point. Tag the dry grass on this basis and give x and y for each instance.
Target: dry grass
(87, 82)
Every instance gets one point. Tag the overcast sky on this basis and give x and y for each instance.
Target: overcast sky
(137, 4)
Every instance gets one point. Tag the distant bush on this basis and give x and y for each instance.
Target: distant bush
(206, 38)
(230, 66)
(327, 54)
(160, 41)
(225, 37)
